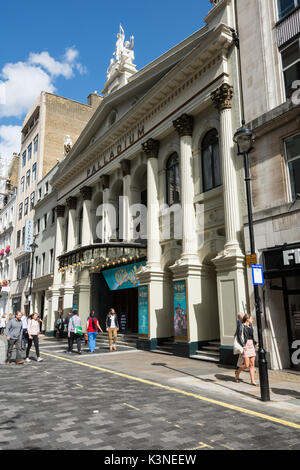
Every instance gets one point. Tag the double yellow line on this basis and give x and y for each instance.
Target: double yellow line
(182, 392)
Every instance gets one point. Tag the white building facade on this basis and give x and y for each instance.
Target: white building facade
(161, 138)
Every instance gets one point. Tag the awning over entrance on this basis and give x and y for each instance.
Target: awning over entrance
(101, 256)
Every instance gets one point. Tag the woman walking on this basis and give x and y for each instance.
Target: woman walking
(92, 327)
(33, 331)
(245, 336)
(112, 326)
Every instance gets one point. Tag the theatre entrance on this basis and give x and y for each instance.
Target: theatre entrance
(126, 302)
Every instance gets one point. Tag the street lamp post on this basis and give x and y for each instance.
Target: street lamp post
(33, 247)
(244, 140)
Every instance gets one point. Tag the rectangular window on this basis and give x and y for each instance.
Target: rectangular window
(38, 225)
(32, 197)
(292, 151)
(22, 184)
(53, 216)
(34, 172)
(20, 210)
(46, 187)
(26, 202)
(29, 152)
(45, 221)
(36, 266)
(24, 158)
(23, 235)
(291, 66)
(18, 238)
(36, 143)
(27, 178)
(286, 6)
(51, 261)
(23, 267)
(43, 263)
(40, 193)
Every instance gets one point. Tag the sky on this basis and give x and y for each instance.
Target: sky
(65, 46)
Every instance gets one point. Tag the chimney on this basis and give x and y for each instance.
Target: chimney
(94, 100)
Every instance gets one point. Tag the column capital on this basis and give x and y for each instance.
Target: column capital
(184, 125)
(222, 97)
(126, 167)
(71, 203)
(151, 148)
(104, 181)
(60, 211)
(86, 193)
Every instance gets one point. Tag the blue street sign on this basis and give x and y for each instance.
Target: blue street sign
(257, 275)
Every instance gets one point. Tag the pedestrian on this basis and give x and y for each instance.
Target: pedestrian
(245, 336)
(25, 332)
(92, 327)
(240, 361)
(60, 326)
(75, 332)
(2, 324)
(33, 336)
(14, 331)
(67, 320)
(112, 327)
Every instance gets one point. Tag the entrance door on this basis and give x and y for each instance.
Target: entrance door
(292, 285)
(126, 300)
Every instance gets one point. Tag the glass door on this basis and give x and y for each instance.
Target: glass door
(293, 296)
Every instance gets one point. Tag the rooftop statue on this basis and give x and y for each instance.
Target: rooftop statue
(67, 145)
(123, 54)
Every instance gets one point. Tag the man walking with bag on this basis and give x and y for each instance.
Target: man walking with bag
(75, 332)
(14, 332)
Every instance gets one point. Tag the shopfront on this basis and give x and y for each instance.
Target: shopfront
(282, 269)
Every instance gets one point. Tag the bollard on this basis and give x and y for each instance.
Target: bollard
(3, 349)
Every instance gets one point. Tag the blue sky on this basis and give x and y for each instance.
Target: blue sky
(65, 47)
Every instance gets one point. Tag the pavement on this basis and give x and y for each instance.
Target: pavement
(137, 400)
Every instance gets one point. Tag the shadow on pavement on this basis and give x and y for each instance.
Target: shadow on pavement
(285, 392)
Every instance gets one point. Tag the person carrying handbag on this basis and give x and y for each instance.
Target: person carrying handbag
(92, 328)
(245, 338)
(75, 332)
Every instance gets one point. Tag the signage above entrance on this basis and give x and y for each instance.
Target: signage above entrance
(280, 259)
(123, 277)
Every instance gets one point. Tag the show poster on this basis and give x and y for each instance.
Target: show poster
(143, 310)
(180, 310)
(123, 277)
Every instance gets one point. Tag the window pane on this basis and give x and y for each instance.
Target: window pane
(291, 54)
(290, 76)
(285, 6)
(293, 147)
(207, 169)
(294, 168)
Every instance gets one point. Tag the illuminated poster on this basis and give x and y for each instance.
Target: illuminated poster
(122, 277)
(180, 310)
(143, 310)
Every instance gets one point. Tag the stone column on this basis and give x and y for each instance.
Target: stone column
(105, 235)
(125, 222)
(151, 149)
(230, 263)
(72, 205)
(222, 100)
(87, 236)
(184, 127)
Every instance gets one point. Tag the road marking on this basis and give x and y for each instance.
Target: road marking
(131, 406)
(182, 392)
(202, 446)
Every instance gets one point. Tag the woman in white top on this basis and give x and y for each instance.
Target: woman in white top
(2, 324)
(33, 330)
(112, 326)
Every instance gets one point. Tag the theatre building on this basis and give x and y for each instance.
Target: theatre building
(151, 196)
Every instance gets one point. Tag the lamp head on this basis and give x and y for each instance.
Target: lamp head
(244, 138)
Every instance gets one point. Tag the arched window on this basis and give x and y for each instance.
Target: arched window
(173, 179)
(211, 169)
(80, 223)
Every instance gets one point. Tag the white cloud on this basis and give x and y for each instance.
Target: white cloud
(23, 81)
(10, 140)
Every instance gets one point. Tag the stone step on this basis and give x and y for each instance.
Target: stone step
(210, 348)
(215, 343)
(205, 358)
(208, 353)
